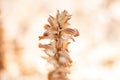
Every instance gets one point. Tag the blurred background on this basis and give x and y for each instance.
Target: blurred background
(96, 52)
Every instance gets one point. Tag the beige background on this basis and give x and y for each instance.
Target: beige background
(96, 52)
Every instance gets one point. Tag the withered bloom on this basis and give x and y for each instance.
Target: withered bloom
(57, 50)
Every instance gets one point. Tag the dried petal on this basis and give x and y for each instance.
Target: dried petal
(49, 53)
(65, 55)
(70, 31)
(53, 22)
(46, 36)
(62, 15)
(50, 20)
(66, 37)
(59, 44)
(57, 16)
(63, 18)
(63, 26)
(41, 37)
(50, 46)
(46, 46)
(64, 61)
(49, 34)
(65, 44)
(47, 26)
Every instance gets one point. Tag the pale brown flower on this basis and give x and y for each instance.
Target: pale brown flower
(57, 50)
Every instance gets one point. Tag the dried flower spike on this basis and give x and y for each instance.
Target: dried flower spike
(57, 50)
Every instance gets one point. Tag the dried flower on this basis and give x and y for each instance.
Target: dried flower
(57, 50)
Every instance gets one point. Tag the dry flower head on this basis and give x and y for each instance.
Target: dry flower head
(57, 50)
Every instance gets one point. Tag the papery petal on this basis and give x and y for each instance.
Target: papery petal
(57, 15)
(47, 26)
(59, 44)
(46, 46)
(67, 37)
(50, 20)
(50, 47)
(49, 34)
(70, 31)
(63, 26)
(64, 61)
(53, 22)
(64, 20)
(49, 53)
(41, 37)
(65, 44)
(53, 44)
(47, 37)
(62, 15)
(65, 55)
